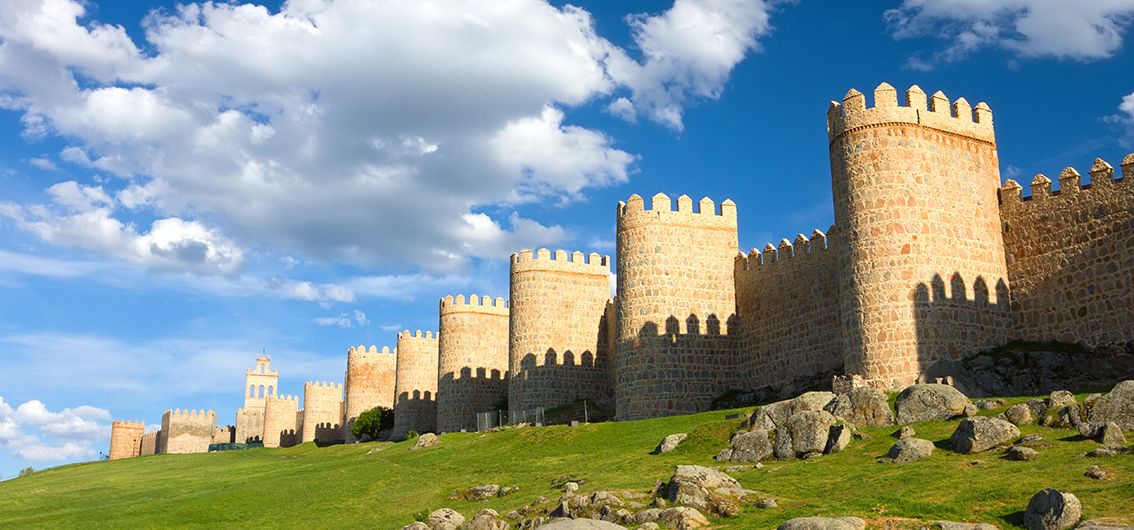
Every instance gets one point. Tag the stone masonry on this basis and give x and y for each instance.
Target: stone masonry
(281, 422)
(322, 411)
(555, 351)
(415, 391)
(473, 359)
(188, 431)
(259, 383)
(126, 439)
(369, 383)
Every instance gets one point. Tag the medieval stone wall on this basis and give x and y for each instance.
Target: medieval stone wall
(472, 359)
(126, 439)
(250, 423)
(556, 353)
(415, 389)
(149, 444)
(915, 195)
(787, 303)
(676, 306)
(369, 382)
(1071, 256)
(224, 435)
(322, 412)
(281, 421)
(188, 431)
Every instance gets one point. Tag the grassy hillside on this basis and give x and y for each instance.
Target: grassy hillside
(383, 485)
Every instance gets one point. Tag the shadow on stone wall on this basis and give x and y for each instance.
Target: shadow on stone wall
(554, 379)
(416, 411)
(954, 321)
(472, 393)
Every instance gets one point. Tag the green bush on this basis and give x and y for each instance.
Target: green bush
(372, 422)
(27, 471)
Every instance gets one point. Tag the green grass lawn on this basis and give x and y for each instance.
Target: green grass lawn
(344, 486)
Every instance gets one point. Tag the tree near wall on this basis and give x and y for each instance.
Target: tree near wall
(372, 422)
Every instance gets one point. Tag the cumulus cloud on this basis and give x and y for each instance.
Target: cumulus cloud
(301, 131)
(33, 432)
(1126, 119)
(1083, 30)
(344, 320)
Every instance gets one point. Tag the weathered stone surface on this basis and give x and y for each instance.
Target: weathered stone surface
(823, 523)
(952, 525)
(805, 432)
(1059, 409)
(909, 450)
(1052, 509)
(904, 432)
(773, 415)
(605, 498)
(670, 442)
(1097, 473)
(863, 407)
(1115, 406)
(483, 491)
(1103, 525)
(580, 524)
(838, 438)
(989, 404)
(424, 441)
(1110, 434)
(648, 516)
(416, 525)
(747, 446)
(649, 526)
(929, 402)
(486, 519)
(445, 519)
(975, 435)
(699, 487)
(1021, 453)
(766, 503)
(1019, 414)
(683, 518)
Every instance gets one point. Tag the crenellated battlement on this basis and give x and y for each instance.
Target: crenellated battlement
(704, 214)
(128, 424)
(935, 112)
(285, 398)
(802, 247)
(475, 304)
(1070, 184)
(189, 413)
(544, 260)
(417, 334)
(323, 385)
(362, 354)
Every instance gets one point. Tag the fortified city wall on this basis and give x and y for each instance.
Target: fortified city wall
(415, 390)
(281, 421)
(224, 435)
(676, 306)
(250, 423)
(260, 383)
(150, 443)
(369, 382)
(186, 431)
(556, 354)
(1071, 256)
(322, 411)
(473, 359)
(786, 301)
(126, 439)
(915, 194)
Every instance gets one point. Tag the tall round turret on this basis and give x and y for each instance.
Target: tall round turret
(415, 389)
(676, 304)
(915, 190)
(473, 360)
(556, 352)
(369, 383)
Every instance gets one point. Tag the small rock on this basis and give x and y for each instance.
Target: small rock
(416, 525)
(424, 441)
(605, 498)
(929, 402)
(1021, 453)
(486, 519)
(989, 404)
(580, 524)
(649, 526)
(1052, 509)
(1110, 434)
(648, 516)
(1115, 406)
(823, 523)
(670, 443)
(484, 491)
(1097, 473)
(802, 433)
(838, 438)
(1019, 414)
(445, 519)
(1103, 525)
(863, 407)
(766, 503)
(951, 525)
(970, 410)
(909, 450)
(683, 518)
(1058, 409)
(1106, 450)
(570, 487)
(700, 487)
(905, 432)
(1032, 438)
(975, 435)
(747, 446)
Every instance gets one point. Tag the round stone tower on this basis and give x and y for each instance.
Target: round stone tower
(557, 354)
(473, 360)
(126, 439)
(915, 191)
(415, 387)
(676, 302)
(369, 383)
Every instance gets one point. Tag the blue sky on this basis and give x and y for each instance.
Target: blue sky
(185, 186)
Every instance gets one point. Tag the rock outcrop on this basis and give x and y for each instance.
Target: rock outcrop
(823, 523)
(863, 407)
(909, 450)
(930, 402)
(975, 435)
(670, 443)
(1116, 406)
(1052, 509)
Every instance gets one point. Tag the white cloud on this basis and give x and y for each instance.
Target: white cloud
(34, 433)
(301, 131)
(1127, 105)
(43, 163)
(345, 320)
(689, 52)
(1126, 119)
(1084, 30)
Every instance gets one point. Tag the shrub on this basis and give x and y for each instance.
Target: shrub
(27, 471)
(372, 422)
